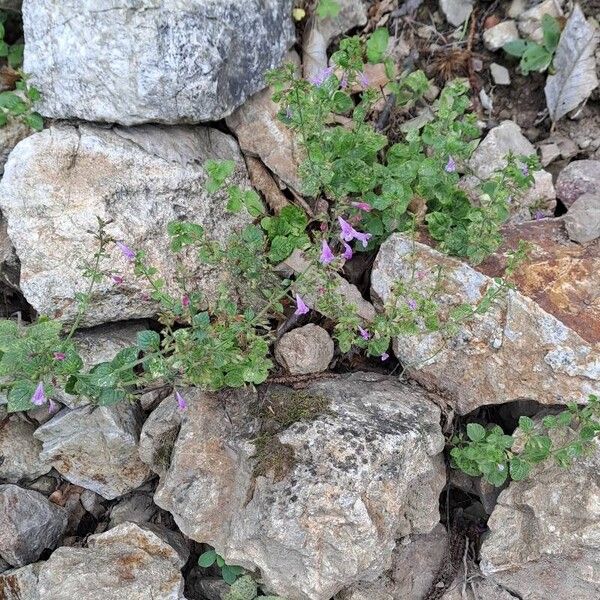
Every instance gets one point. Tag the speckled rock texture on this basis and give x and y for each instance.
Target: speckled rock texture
(304, 350)
(167, 62)
(21, 583)
(29, 524)
(96, 448)
(58, 181)
(514, 351)
(334, 490)
(128, 562)
(544, 539)
(577, 178)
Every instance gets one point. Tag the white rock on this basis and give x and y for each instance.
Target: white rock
(56, 182)
(499, 35)
(167, 62)
(333, 492)
(530, 22)
(456, 11)
(96, 448)
(582, 220)
(303, 350)
(500, 74)
(10, 135)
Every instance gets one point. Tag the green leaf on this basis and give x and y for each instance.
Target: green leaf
(207, 559)
(19, 396)
(328, 8)
(535, 58)
(35, 121)
(220, 561)
(148, 340)
(15, 55)
(519, 469)
(12, 103)
(377, 45)
(526, 424)
(475, 432)
(218, 171)
(234, 203)
(537, 448)
(253, 203)
(110, 396)
(515, 48)
(342, 102)
(230, 573)
(551, 30)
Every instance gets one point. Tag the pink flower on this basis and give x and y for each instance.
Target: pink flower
(321, 77)
(344, 81)
(411, 304)
(127, 252)
(39, 397)
(185, 301)
(364, 333)
(118, 279)
(326, 253)
(450, 165)
(53, 407)
(59, 356)
(362, 206)
(363, 79)
(384, 356)
(539, 215)
(347, 251)
(181, 403)
(301, 308)
(363, 238)
(349, 233)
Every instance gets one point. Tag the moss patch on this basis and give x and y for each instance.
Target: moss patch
(276, 413)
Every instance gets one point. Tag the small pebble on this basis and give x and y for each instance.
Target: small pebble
(500, 74)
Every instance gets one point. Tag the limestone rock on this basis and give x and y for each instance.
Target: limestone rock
(415, 563)
(490, 156)
(189, 61)
(29, 523)
(56, 182)
(96, 448)
(20, 584)
(499, 35)
(136, 507)
(10, 135)
(514, 351)
(456, 11)
(544, 539)
(560, 276)
(303, 350)
(159, 434)
(19, 452)
(260, 133)
(126, 563)
(583, 219)
(500, 74)
(577, 178)
(321, 505)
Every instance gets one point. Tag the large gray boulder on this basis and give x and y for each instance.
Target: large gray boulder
(29, 524)
(513, 351)
(311, 487)
(544, 539)
(152, 60)
(58, 181)
(96, 448)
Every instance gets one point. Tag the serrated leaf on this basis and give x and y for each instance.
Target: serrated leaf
(148, 340)
(519, 469)
(575, 65)
(19, 396)
(475, 432)
(377, 45)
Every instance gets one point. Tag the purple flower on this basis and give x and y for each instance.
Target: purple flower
(301, 308)
(349, 233)
(450, 165)
(321, 77)
(539, 215)
(127, 252)
(347, 251)
(288, 112)
(362, 206)
(344, 81)
(118, 279)
(364, 333)
(525, 170)
(39, 397)
(326, 253)
(384, 356)
(59, 356)
(181, 403)
(363, 79)
(185, 301)
(411, 304)
(53, 407)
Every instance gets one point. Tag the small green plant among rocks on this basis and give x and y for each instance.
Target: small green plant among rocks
(490, 453)
(534, 56)
(245, 588)
(229, 572)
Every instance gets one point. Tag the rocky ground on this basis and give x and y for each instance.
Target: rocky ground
(349, 494)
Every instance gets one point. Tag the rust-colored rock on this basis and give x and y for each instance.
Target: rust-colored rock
(561, 276)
